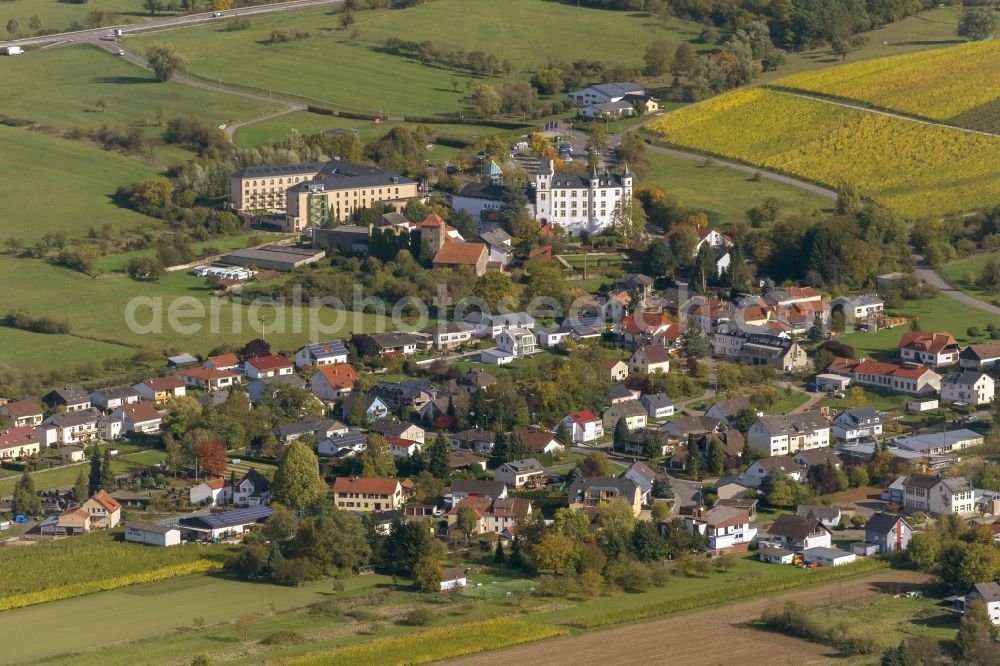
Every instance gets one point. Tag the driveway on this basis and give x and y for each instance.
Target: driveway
(931, 277)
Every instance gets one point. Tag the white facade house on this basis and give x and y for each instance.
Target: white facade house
(984, 356)
(517, 341)
(152, 535)
(650, 359)
(518, 473)
(799, 533)
(931, 349)
(600, 93)
(783, 435)
(937, 495)
(267, 366)
(631, 410)
(725, 528)
(971, 387)
(580, 203)
(828, 557)
(68, 428)
(213, 492)
(854, 424)
(989, 594)
(321, 353)
(584, 426)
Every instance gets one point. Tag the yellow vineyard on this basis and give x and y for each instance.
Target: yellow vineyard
(916, 168)
(939, 84)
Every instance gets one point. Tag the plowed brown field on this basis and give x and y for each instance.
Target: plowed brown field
(716, 637)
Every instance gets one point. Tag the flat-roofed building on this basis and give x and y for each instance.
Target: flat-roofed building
(275, 257)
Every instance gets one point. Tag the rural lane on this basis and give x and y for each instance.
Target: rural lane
(930, 276)
(726, 628)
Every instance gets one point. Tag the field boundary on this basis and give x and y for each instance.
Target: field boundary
(850, 103)
(742, 592)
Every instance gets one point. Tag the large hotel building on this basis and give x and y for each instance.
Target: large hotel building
(317, 193)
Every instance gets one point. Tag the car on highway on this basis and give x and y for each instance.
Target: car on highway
(216, 14)
(121, 52)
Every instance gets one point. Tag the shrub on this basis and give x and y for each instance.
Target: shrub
(418, 617)
(279, 638)
(237, 24)
(362, 614)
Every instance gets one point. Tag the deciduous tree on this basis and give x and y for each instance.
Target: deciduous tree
(297, 482)
(164, 60)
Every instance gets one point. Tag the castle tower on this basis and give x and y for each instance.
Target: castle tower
(434, 231)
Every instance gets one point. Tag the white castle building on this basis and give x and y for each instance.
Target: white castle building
(580, 203)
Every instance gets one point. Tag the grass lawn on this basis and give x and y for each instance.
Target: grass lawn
(146, 458)
(276, 129)
(877, 400)
(957, 271)
(725, 195)
(115, 263)
(938, 313)
(377, 80)
(77, 76)
(931, 29)
(786, 403)
(50, 352)
(97, 308)
(59, 15)
(58, 477)
(87, 178)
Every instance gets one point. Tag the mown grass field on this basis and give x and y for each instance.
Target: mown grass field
(97, 309)
(161, 615)
(939, 84)
(935, 314)
(59, 15)
(347, 68)
(724, 194)
(916, 168)
(53, 184)
(956, 273)
(76, 77)
(929, 29)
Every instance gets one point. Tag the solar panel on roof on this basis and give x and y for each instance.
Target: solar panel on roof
(243, 516)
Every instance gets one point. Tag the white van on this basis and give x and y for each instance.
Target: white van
(11, 50)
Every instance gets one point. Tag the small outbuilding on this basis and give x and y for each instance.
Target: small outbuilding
(452, 578)
(152, 535)
(828, 557)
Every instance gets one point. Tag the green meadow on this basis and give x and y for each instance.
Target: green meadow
(59, 16)
(347, 68)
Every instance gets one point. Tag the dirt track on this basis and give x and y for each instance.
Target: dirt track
(715, 637)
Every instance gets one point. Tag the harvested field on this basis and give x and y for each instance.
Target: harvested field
(652, 642)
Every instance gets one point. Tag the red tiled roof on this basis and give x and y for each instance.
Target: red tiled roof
(870, 367)
(932, 343)
(207, 373)
(655, 353)
(215, 484)
(224, 360)
(399, 441)
(433, 220)
(11, 438)
(460, 254)
(140, 412)
(23, 408)
(645, 322)
(107, 501)
(338, 375)
(583, 416)
(164, 383)
(347, 484)
(270, 362)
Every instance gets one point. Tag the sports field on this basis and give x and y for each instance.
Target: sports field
(76, 77)
(347, 68)
(916, 168)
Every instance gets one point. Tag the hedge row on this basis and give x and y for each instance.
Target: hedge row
(424, 120)
(733, 593)
(435, 644)
(80, 589)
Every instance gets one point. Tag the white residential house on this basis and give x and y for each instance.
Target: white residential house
(799, 533)
(25, 412)
(584, 426)
(854, 424)
(114, 397)
(657, 405)
(252, 490)
(68, 428)
(211, 492)
(783, 435)
(937, 495)
(784, 466)
(970, 387)
(617, 370)
(600, 93)
(910, 378)
(262, 367)
(160, 390)
(931, 349)
(650, 358)
(333, 381)
(517, 341)
(139, 417)
(726, 528)
(989, 594)
(321, 353)
(519, 473)
(490, 326)
(631, 410)
(863, 310)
